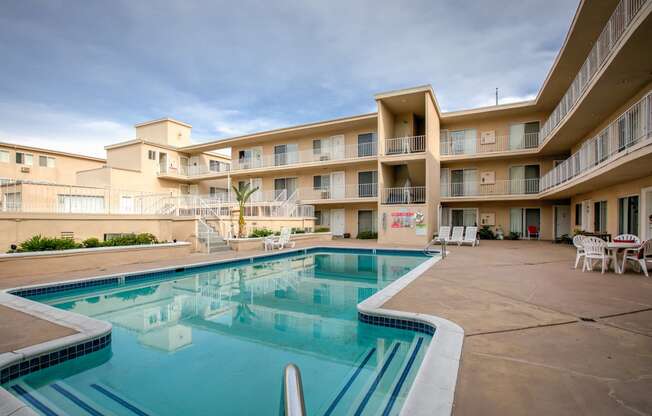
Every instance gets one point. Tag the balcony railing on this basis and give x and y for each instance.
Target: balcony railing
(193, 171)
(349, 191)
(405, 145)
(335, 153)
(634, 126)
(498, 188)
(618, 23)
(404, 195)
(462, 146)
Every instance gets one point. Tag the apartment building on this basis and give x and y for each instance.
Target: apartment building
(577, 156)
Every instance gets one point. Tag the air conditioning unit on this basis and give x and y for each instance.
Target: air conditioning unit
(24, 169)
(488, 137)
(488, 178)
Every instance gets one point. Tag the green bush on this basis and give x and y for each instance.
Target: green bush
(485, 233)
(91, 242)
(298, 231)
(367, 235)
(131, 240)
(513, 236)
(322, 230)
(260, 232)
(40, 243)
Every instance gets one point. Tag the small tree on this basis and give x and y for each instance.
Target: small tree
(242, 195)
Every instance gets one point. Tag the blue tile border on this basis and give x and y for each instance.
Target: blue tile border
(397, 323)
(42, 361)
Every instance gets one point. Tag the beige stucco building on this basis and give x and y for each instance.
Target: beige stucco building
(577, 156)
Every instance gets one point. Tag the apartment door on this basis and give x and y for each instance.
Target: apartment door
(646, 213)
(587, 214)
(562, 220)
(183, 165)
(517, 136)
(162, 162)
(337, 143)
(337, 222)
(522, 218)
(337, 185)
(457, 182)
(471, 182)
(258, 195)
(284, 188)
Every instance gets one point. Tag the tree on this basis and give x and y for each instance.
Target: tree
(242, 195)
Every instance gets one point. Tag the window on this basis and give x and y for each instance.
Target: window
(366, 144)
(151, 154)
(214, 166)
(321, 182)
(217, 193)
(367, 184)
(366, 221)
(600, 217)
(24, 158)
(523, 219)
(285, 154)
(4, 156)
(578, 215)
(46, 161)
(322, 218)
(464, 217)
(284, 187)
(81, 203)
(12, 201)
(628, 215)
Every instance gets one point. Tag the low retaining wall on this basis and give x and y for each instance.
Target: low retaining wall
(17, 264)
(244, 244)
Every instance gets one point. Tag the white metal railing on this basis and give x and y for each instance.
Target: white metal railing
(348, 191)
(21, 195)
(617, 24)
(404, 195)
(633, 127)
(498, 188)
(354, 151)
(405, 145)
(194, 170)
(462, 146)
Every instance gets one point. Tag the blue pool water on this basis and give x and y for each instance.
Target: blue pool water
(215, 340)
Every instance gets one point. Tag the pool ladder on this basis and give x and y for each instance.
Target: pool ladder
(442, 242)
(293, 403)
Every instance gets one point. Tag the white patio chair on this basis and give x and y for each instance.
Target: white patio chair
(470, 236)
(640, 256)
(577, 242)
(444, 233)
(627, 237)
(457, 236)
(594, 250)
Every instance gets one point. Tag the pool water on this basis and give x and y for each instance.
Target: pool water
(215, 341)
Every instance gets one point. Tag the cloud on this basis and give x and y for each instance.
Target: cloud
(232, 68)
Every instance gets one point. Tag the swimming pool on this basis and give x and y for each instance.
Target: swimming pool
(215, 339)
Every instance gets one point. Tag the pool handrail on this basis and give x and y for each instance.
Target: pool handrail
(293, 400)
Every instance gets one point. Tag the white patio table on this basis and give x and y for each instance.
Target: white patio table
(614, 247)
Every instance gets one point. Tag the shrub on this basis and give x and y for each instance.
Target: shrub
(131, 240)
(260, 232)
(322, 230)
(298, 231)
(367, 235)
(40, 243)
(485, 233)
(513, 236)
(91, 242)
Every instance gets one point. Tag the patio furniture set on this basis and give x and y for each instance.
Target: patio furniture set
(622, 249)
(459, 236)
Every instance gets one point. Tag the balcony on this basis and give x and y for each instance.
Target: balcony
(405, 145)
(314, 156)
(624, 135)
(404, 195)
(502, 188)
(452, 146)
(353, 192)
(190, 173)
(607, 43)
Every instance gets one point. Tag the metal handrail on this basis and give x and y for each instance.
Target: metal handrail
(293, 400)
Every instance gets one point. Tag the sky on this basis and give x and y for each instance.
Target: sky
(76, 75)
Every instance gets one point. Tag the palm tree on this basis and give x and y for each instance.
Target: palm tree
(242, 195)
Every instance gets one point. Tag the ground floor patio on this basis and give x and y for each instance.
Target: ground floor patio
(540, 336)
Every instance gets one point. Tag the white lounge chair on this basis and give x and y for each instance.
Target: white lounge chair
(280, 242)
(594, 250)
(470, 236)
(444, 233)
(457, 236)
(641, 256)
(627, 237)
(577, 242)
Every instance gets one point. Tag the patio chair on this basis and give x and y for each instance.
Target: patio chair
(626, 238)
(457, 236)
(281, 241)
(640, 256)
(444, 233)
(533, 230)
(470, 237)
(577, 242)
(594, 250)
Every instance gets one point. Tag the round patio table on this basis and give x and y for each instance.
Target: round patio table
(614, 247)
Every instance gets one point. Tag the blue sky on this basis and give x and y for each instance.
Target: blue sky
(77, 75)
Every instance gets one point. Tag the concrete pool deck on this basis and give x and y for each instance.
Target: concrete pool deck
(521, 304)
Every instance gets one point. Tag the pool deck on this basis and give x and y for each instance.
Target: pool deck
(540, 337)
